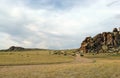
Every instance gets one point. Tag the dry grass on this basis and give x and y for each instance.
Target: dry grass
(89, 70)
(102, 68)
(32, 57)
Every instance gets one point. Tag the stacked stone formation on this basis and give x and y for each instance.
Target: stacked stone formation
(102, 42)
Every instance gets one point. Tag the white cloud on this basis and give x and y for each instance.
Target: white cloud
(53, 28)
(6, 40)
(27, 43)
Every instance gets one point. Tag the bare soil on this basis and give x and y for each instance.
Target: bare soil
(82, 59)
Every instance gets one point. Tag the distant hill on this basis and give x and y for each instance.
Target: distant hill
(102, 42)
(16, 48)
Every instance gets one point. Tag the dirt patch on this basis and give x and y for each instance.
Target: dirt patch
(80, 59)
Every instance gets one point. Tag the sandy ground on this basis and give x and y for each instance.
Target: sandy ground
(80, 59)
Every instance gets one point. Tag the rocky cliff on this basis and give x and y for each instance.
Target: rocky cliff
(103, 42)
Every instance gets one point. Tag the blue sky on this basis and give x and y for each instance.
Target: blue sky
(55, 24)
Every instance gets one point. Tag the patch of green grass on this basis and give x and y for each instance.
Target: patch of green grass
(32, 57)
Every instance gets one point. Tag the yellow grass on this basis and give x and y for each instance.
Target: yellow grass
(102, 68)
(32, 57)
(89, 70)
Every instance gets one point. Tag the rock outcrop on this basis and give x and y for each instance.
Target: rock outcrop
(103, 42)
(14, 48)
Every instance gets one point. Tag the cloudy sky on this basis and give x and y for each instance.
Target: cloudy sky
(55, 24)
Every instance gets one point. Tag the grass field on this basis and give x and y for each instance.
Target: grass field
(32, 57)
(105, 66)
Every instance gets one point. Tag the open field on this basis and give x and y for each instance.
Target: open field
(32, 57)
(89, 70)
(105, 66)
